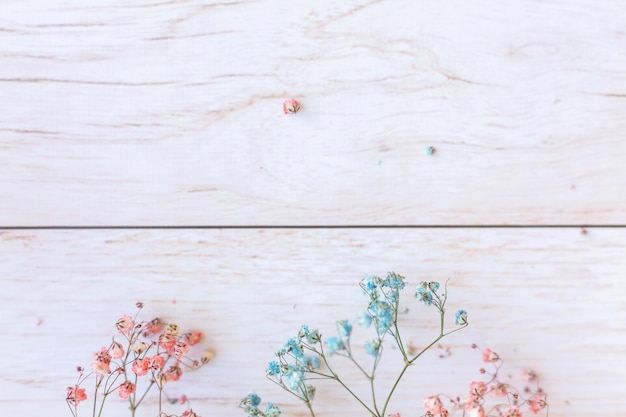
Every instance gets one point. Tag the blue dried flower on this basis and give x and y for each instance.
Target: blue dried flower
(271, 410)
(423, 294)
(364, 319)
(460, 317)
(273, 368)
(293, 346)
(372, 347)
(344, 327)
(394, 281)
(335, 344)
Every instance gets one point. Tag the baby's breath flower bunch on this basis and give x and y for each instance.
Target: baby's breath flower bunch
(145, 355)
(492, 397)
(306, 356)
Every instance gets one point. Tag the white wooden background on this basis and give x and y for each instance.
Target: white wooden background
(160, 116)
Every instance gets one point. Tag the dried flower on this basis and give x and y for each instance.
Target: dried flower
(132, 353)
(291, 106)
(298, 362)
(126, 389)
(125, 324)
(75, 395)
(433, 404)
(193, 338)
(490, 356)
(116, 350)
(477, 390)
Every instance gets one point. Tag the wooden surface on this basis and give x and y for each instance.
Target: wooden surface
(133, 112)
(168, 114)
(550, 300)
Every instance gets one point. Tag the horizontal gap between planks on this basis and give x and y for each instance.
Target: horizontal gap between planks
(390, 226)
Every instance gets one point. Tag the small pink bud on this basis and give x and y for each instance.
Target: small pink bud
(291, 106)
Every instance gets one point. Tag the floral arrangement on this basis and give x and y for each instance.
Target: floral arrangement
(307, 357)
(146, 355)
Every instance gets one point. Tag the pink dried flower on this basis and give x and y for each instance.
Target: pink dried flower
(433, 404)
(125, 324)
(478, 389)
(537, 402)
(513, 411)
(75, 395)
(499, 389)
(126, 389)
(180, 349)
(156, 362)
(174, 373)
(193, 338)
(528, 375)
(395, 415)
(140, 367)
(444, 412)
(490, 356)
(291, 106)
(116, 350)
(167, 342)
(101, 361)
(189, 413)
(474, 409)
(153, 327)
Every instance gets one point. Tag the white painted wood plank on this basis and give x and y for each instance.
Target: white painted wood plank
(551, 299)
(152, 113)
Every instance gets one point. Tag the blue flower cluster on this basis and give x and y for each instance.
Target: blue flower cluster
(293, 364)
(384, 295)
(298, 360)
(250, 405)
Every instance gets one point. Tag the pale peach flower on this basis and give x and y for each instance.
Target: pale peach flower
(101, 361)
(395, 415)
(75, 395)
(116, 350)
(478, 389)
(207, 355)
(537, 402)
(189, 413)
(140, 367)
(193, 338)
(490, 356)
(433, 404)
(125, 324)
(139, 347)
(172, 329)
(291, 106)
(513, 411)
(126, 389)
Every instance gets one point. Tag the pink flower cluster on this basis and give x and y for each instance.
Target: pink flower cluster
(149, 348)
(508, 399)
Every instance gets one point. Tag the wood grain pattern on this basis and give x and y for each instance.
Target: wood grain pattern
(169, 112)
(551, 299)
